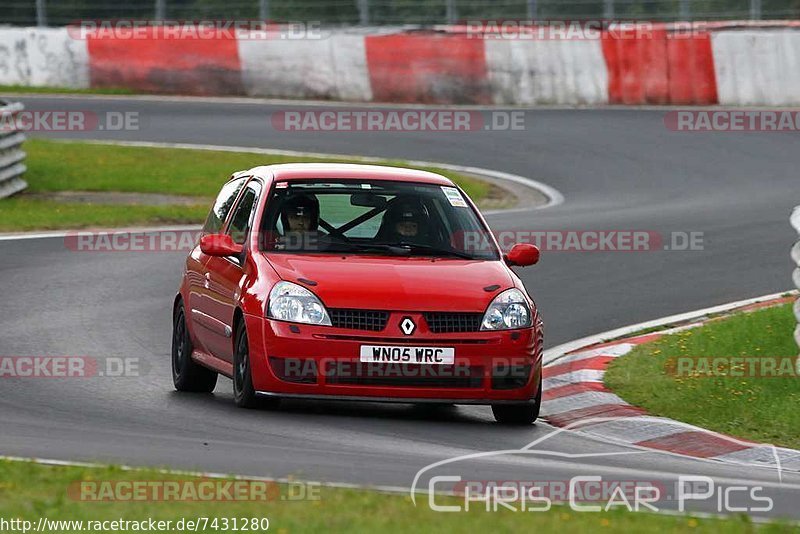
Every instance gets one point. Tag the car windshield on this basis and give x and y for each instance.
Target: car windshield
(374, 217)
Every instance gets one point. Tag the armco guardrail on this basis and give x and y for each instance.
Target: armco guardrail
(795, 219)
(12, 157)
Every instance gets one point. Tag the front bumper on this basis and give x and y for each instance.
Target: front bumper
(317, 362)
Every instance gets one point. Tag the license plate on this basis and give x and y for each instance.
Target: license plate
(406, 354)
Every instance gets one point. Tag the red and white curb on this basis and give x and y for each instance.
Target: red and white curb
(575, 397)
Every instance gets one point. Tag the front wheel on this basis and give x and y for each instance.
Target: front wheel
(244, 394)
(524, 413)
(188, 375)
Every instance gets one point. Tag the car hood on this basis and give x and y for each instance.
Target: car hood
(391, 283)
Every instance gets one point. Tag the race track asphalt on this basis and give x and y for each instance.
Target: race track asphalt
(618, 169)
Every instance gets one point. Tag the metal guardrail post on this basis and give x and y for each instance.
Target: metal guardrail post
(363, 12)
(684, 10)
(795, 220)
(263, 10)
(608, 9)
(12, 157)
(160, 10)
(451, 11)
(41, 13)
(755, 9)
(532, 10)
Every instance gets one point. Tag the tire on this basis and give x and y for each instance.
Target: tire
(244, 394)
(188, 375)
(524, 413)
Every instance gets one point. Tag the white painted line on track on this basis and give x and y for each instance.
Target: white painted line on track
(612, 351)
(63, 233)
(578, 401)
(245, 100)
(635, 429)
(553, 195)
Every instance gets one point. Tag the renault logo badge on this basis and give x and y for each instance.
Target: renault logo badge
(407, 326)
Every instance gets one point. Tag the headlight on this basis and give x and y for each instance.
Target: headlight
(508, 310)
(296, 304)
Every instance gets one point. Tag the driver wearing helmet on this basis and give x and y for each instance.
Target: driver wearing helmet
(300, 221)
(405, 220)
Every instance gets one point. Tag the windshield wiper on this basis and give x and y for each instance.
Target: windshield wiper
(431, 250)
(372, 247)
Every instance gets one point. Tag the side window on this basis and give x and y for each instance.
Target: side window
(223, 204)
(243, 215)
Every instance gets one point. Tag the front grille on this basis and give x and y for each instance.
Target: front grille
(403, 375)
(373, 320)
(452, 322)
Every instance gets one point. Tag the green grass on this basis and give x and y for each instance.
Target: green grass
(19, 214)
(16, 89)
(61, 166)
(752, 407)
(30, 491)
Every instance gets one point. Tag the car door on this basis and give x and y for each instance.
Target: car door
(225, 276)
(196, 272)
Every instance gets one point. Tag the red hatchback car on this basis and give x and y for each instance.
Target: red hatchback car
(356, 282)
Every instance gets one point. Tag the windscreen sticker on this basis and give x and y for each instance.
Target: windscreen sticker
(454, 196)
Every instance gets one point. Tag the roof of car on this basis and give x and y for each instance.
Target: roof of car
(304, 171)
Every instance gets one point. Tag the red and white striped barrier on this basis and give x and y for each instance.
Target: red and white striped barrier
(575, 397)
(722, 63)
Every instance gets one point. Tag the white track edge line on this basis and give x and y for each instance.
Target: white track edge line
(553, 195)
(344, 485)
(255, 100)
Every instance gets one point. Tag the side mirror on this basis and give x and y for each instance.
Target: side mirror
(219, 245)
(522, 255)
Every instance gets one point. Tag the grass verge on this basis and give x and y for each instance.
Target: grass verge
(19, 214)
(67, 166)
(726, 397)
(29, 491)
(28, 89)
